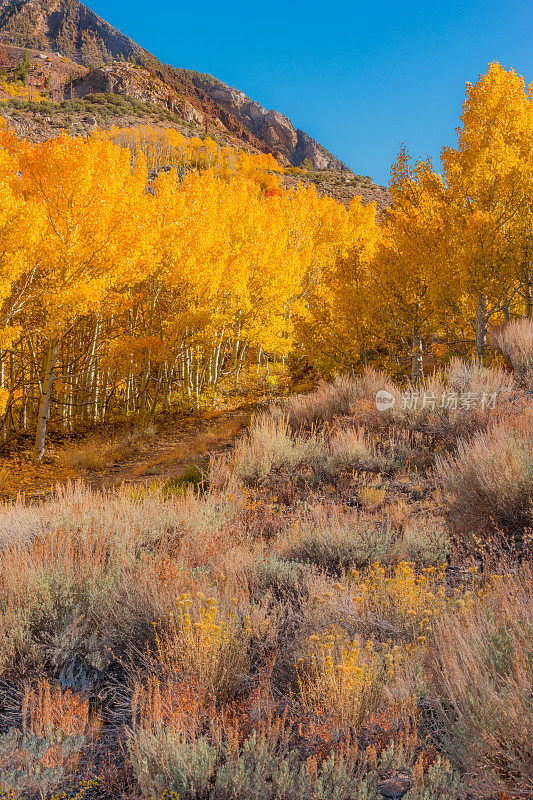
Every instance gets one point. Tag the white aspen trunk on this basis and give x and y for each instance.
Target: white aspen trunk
(197, 376)
(95, 393)
(157, 389)
(133, 394)
(93, 403)
(70, 396)
(44, 406)
(217, 357)
(239, 365)
(168, 387)
(23, 380)
(12, 385)
(144, 385)
(89, 375)
(187, 373)
(103, 394)
(127, 391)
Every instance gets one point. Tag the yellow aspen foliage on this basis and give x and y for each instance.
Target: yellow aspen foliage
(90, 244)
(20, 225)
(409, 268)
(337, 324)
(140, 269)
(489, 178)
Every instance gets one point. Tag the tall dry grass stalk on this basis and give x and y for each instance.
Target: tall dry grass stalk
(47, 709)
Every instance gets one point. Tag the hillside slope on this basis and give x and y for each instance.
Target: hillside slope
(62, 51)
(70, 28)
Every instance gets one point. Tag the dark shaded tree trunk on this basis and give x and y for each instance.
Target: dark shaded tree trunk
(44, 406)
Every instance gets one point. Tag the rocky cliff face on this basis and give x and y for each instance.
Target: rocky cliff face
(287, 143)
(90, 74)
(70, 28)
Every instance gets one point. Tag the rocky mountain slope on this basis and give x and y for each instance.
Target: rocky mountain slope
(63, 52)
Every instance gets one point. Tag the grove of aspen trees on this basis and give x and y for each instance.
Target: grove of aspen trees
(139, 268)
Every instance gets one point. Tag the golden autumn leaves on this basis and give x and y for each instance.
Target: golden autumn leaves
(138, 267)
(453, 253)
(204, 269)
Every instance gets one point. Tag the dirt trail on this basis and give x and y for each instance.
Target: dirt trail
(169, 455)
(187, 442)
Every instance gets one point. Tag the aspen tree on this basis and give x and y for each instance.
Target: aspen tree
(489, 178)
(90, 199)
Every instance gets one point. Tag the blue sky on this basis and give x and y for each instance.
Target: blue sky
(359, 77)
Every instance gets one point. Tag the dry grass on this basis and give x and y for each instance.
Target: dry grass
(479, 670)
(267, 764)
(351, 448)
(342, 397)
(47, 709)
(296, 624)
(271, 446)
(471, 376)
(338, 540)
(87, 572)
(204, 645)
(56, 730)
(343, 679)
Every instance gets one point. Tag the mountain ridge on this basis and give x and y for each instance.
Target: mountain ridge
(86, 73)
(70, 28)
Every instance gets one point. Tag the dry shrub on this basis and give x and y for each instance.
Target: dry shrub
(433, 411)
(463, 399)
(87, 573)
(337, 539)
(472, 376)
(175, 704)
(342, 680)
(516, 344)
(490, 478)
(338, 427)
(351, 448)
(267, 765)
(342, 397)
(285, 579)
(127, 515)
(260, 514)
(56, 729)
(207, 646)
(46, 708)
(398, 448)
(271, 446)
(371, 497)
(88, 587)
(406, 599)
(394, 606)
(480, 672)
